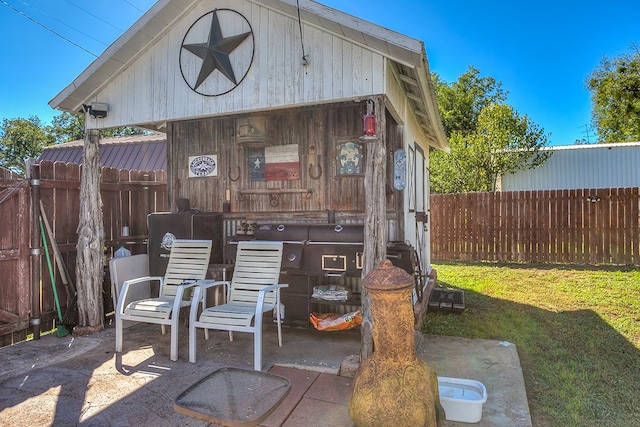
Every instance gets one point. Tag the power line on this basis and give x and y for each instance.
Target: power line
(95, 16)
(19, 12)
(64, 23)
(133, 5)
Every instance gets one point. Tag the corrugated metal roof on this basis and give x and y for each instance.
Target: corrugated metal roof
(581, 166)
(137, 152)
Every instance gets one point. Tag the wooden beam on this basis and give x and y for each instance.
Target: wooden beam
(421, 114)
(415, 98)
(375, 220)
(408, 80)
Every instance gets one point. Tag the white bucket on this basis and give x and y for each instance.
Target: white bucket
(462, 399)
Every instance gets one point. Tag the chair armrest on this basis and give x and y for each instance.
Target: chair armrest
(273, 287)
(208, 283)
(262, 292)
(128, 283)
(177, 301)
(201, 288)
(144, 279)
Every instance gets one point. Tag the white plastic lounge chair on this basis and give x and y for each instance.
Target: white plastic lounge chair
(188, 262)
(253, 291)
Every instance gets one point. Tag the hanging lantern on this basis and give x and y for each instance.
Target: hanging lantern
(369, 120)
(369, 124)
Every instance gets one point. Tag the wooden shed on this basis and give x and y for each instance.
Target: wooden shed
(263, 105)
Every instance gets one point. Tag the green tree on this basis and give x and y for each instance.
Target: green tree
(461, 102)
(21, 139)
(615, 97)
(67, 127)
(488, 138)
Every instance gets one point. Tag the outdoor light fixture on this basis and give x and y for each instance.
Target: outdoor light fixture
(98, 110)
(369, 123)
(369, 120)
(593, 198)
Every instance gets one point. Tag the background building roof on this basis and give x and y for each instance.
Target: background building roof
(137, 152)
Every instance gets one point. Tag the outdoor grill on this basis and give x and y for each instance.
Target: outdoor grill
(334, 249)
(319, 255)
(294, 237)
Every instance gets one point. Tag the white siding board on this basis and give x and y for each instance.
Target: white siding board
(347, 68)
(162, 86)
(152, 89)
(336, 67)
(291, 63)
(325, 56)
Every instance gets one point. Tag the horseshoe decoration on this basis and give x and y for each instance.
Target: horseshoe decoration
(315, 175)
(229, 173)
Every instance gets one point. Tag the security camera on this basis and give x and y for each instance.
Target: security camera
(98, 110)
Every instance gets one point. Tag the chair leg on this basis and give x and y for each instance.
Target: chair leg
(174, 339)
(279, 322)
(257, 342)
(192, 342)
(257, 351)
(119, 331)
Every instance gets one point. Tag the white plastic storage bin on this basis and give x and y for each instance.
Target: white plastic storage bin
(462, 399)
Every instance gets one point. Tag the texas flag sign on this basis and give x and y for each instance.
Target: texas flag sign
(274, 163)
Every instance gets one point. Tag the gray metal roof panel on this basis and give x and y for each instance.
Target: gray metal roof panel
(138, 152)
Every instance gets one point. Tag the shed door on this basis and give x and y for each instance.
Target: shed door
(421, 208)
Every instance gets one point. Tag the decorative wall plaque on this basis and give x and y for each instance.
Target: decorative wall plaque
(349, 158)
(203, 166)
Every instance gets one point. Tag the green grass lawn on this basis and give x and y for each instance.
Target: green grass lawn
(577, 331)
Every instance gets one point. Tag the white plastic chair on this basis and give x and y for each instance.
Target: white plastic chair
(253, 291)
(128, 268)
(188, 263)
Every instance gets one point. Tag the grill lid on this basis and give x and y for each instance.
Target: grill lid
(290, 233)
(331, 234)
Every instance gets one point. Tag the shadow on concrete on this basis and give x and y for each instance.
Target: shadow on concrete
(574, 362)
(81, 381)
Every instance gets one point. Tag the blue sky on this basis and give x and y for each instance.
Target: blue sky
(541, 51)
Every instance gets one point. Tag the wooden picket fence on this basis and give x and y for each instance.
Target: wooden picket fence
(586, 226)
(126, 196)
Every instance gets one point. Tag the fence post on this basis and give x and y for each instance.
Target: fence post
(36, 249)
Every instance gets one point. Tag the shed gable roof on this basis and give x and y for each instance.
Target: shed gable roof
(406, 53)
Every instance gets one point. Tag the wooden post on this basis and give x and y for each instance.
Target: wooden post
(89, 265)
(36, 249)
(375, 219)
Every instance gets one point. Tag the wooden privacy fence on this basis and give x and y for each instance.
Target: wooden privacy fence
(127, 196)
(587, 226)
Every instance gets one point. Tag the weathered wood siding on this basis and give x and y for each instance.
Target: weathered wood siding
(316, 131)
(153, 89)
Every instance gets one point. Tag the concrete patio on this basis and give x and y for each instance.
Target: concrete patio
(81, 381)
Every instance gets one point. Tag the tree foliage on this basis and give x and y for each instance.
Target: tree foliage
(615, 97)
(21, 139)
(67, 127)
(488, 138)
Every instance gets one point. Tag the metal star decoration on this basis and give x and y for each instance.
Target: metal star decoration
(215, 52)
